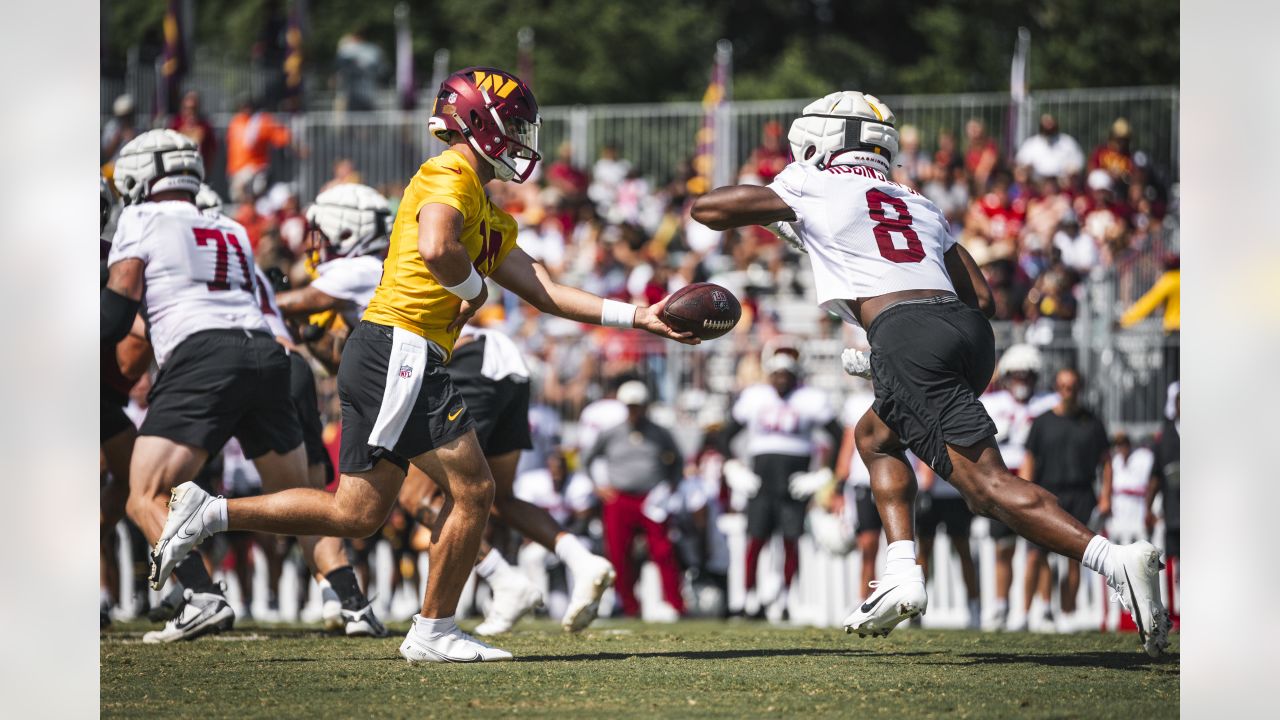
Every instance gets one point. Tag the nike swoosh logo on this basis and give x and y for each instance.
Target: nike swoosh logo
(1137, 613)
(869, 605)
(454, 415)
(454, 170)
(452, 659)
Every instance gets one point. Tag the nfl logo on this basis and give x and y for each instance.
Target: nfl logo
(406, 371)
(720, 300)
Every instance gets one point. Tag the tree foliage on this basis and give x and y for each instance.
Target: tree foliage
(648, 50)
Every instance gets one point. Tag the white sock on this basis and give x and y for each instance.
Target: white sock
(494, 568)
(900, 557)
(433, 626)
(1097, 557)
(215, 515)
(571, 550)
(1002, 607)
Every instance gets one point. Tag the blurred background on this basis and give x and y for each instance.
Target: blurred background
(1047, 132)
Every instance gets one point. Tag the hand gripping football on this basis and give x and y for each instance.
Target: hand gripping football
(706, 310)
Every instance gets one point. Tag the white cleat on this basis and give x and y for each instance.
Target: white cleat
(184, 529)
(1137, 585)
(331, 608)
(896, 598)
(590, 580)
(516, 597)
(451, 646)
(202, 613)
(362, 622)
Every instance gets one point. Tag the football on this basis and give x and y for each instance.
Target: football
(704, 309)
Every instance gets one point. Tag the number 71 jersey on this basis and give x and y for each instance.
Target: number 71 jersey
(866, 235)
(199, 271)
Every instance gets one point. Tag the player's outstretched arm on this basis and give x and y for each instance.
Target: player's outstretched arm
(520, 274)
(738, 205)
(304, 301)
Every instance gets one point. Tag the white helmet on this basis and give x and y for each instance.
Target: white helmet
(1019, 358)
(352, 218)
(157, 161)
(855, 127)
(209, 201)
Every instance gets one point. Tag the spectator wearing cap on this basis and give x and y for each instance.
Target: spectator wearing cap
(1114, 155)
(1051, 153)
(642, 465)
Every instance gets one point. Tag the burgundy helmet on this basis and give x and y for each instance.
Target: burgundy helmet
(496, 113)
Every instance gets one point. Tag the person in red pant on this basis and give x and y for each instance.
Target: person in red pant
(642, 464)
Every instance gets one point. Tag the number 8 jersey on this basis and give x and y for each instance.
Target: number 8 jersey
(865, 234)
(199, 271)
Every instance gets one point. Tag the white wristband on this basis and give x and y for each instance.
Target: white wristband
(468, 289)
(618, 314)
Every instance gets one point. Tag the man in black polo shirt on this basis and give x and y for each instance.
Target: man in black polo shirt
(1165, 482)
(1066, 449)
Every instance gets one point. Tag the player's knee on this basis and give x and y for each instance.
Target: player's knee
(474, 491)
(364, 520)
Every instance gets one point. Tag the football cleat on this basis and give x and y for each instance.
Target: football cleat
(896, 598)
(450, 646)
(184, 529)
(331, 608)
(200, 614)
(362, 622)
(511, 601)
(590, 579)
(1137, 586)
(168, 606)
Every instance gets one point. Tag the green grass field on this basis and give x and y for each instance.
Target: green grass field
(630, 669)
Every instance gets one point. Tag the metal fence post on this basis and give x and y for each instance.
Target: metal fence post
(579, 135)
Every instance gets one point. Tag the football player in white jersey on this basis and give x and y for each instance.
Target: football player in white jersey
(883, 257)
(345, 605)
(348, 230)
(1012, 405)
(221, 371)
(780, 417)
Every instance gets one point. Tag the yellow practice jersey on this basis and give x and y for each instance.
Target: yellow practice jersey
(409, 296)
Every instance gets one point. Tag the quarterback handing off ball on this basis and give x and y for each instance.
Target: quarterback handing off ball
(704, 309)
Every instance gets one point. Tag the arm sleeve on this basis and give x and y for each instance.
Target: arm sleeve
(789, 185)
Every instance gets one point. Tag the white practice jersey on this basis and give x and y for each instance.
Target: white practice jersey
(352, 279)
(502, 356)
(1129, 478)
(781, 426)
(855, 406)
(598, 416)
(270, 310)
(199, 271)
(865, 235)
(1013, 422)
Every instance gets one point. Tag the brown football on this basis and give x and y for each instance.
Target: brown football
(706, 310)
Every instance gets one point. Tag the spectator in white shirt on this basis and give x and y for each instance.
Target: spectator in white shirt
(1051, 153)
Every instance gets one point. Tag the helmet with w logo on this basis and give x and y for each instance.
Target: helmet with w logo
(497, 115)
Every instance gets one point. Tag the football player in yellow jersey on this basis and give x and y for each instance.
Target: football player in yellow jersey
(398, 405)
